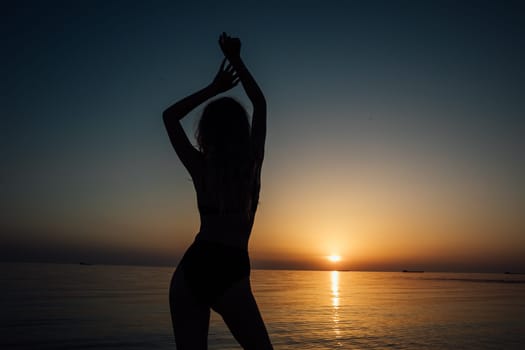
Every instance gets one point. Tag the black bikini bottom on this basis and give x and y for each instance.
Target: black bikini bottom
(211, 268)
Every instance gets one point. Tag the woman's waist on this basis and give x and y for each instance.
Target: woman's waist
(226, 225)
(232, 239)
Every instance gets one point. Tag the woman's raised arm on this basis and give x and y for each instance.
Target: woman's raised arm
(225, 79)
(231, 47)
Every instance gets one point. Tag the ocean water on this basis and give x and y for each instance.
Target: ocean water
(56, 306)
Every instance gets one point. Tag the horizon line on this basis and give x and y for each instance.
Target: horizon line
(87, 264)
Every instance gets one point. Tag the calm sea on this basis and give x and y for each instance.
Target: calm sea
(53, 306)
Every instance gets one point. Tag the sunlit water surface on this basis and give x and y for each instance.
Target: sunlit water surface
(52, 306)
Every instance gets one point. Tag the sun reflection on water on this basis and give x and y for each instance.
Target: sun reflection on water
(335, 303)
(335, 289)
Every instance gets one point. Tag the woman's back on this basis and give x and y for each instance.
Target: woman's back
(227, 198)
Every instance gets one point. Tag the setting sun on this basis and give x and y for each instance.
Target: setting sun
(334, 258)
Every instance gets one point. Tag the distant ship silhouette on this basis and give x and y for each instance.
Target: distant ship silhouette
(413, 271)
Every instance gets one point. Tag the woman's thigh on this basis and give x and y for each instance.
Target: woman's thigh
(240, 312)
(190, 318)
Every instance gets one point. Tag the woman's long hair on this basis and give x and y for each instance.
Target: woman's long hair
(223, 136)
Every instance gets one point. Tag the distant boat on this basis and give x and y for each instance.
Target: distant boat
(84, 263)
(413, 271)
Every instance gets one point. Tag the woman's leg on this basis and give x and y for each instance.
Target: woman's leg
(239, 310)
(190, 318)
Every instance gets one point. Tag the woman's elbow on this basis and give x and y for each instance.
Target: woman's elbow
(260, 104)
(166, 116)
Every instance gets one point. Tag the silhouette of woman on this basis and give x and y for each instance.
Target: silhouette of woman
(215, 270)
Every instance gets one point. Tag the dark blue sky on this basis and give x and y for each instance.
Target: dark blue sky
(411, 104)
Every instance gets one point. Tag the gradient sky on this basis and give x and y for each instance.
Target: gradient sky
(395, 130)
